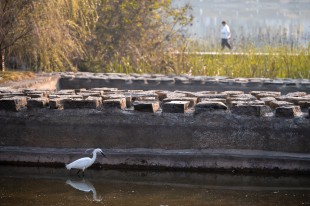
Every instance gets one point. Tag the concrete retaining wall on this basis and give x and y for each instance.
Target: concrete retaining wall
(257, 130)
(186, 83)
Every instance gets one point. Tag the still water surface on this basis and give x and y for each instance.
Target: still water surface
(49, 186)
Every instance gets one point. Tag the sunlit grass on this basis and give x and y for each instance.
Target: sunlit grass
(269, 62)
(247, 61)
(15, 76)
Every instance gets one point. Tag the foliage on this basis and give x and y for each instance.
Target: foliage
(56, 33)
(133, 35)
(95, 35)
(14, 24)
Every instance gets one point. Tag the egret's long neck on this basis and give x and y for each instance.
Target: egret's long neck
(94, 156)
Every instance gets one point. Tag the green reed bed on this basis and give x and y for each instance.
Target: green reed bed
(269, 63)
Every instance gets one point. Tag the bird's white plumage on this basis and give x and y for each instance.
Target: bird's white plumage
(81, 164)
(85, 162)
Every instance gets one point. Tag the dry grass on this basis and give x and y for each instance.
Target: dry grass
(15, 76)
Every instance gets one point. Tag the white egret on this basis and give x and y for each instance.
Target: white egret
(85, 162)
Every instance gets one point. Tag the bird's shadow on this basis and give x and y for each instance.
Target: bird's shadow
(84, 186)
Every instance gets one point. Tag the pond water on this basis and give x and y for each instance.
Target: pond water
(56, 186)
(256, 21)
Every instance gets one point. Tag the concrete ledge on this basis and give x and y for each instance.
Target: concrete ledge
(180, 82)
(207, 159)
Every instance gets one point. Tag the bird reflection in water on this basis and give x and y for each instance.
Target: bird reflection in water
(85, 186)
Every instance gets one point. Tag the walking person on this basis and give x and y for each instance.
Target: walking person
(225, 35)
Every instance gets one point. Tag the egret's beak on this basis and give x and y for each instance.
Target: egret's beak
(103, 154)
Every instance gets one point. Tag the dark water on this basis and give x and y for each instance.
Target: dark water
(49, 186)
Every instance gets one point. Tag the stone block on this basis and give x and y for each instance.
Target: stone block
(288, 111)
(247, 103)
(275, 104)
(181, 81)
(90, 94)
(242, 97)
(146, 99)
(251, 110)
(13, 103)
(73, 96)
(119, 92)
(56, 103)
(214, 96)
(98, 99)
(201, 96)
(135, 91)
(139, 81)
(153, 81)
(65, 92)
(232, 93)
(115, 103)
(162, 95)
(175, 95)
(167, 81)
(296, 94)
(104, 89)
(36, 93)
(6, 90)
(146, 106)
(212, 100)
(113, 96)
(186, 93)
(267, 100)
(192, 100)
(175, 106)
(206, 92)
(5, 95)
(268, 94)
(80, 90)
(294, 100)
(304, 104)
(145, 96)
(11, 94)
(254, 93)
(209, 106)
(37, 102)
(81, 104)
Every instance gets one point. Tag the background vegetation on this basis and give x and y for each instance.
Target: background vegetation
(128, 36)
(89, 35)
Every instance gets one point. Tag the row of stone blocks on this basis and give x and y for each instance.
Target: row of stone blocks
(121, 78)
(256, 103)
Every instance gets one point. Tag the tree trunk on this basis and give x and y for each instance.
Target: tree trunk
(2, 60)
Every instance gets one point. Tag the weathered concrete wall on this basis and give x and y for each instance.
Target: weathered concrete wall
(130, 129)
(174, 82)
(258, 130)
